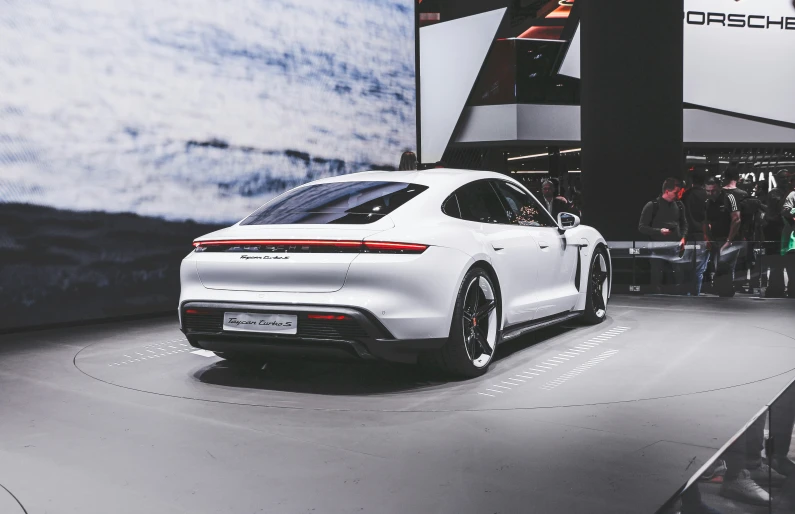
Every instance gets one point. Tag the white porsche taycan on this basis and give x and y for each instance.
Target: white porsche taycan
(440, 264)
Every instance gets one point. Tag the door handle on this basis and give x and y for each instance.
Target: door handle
(497, 248)
(543, 244)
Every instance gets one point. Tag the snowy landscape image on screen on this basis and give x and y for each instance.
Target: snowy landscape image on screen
(147, 123)
(198, 109)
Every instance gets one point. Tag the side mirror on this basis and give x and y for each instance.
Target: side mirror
(567, 221)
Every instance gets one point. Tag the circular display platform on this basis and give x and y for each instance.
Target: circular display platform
(635, 355)
(9, 503)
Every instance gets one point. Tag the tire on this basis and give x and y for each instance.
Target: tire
(598, 288)
(472, 342)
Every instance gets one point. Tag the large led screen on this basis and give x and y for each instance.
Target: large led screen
(127, 128)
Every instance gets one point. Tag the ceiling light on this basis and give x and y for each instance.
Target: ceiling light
(534, 156)
(528, 156)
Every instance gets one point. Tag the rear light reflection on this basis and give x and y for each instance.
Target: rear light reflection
(327, 316)
(395, 247)
(197, 311)
(311, 246)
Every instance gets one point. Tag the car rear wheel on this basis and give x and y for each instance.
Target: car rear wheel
(598, 289)
(475, 327)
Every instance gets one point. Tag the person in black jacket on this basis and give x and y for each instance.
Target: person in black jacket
(788, 237)
(772, 228)
(664, 220)
(695, 200)
(555, 204)
(722, 231)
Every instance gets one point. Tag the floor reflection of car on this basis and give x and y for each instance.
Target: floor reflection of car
(437, 265)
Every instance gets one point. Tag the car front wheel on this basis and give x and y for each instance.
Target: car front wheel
(598, 289)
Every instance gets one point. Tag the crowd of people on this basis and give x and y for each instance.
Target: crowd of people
(719, 235)
(739, 236)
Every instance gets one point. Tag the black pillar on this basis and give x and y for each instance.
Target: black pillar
(631, 108)
(554, 161)
(417, 99)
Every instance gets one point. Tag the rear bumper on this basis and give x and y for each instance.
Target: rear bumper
(413, 296)
(360, 336)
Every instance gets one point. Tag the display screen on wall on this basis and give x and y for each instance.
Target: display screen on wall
(129, 128)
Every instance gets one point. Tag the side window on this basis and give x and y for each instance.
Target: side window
(524, 209)
(478, 202)
(450, 207)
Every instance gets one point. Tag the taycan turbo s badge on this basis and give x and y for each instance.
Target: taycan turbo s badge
(263, 258)
(259, 322)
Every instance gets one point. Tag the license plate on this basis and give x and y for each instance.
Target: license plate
(264, 323)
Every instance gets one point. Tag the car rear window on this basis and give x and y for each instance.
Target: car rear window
(346, 203)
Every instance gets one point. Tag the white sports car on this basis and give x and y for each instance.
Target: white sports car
(439, 264)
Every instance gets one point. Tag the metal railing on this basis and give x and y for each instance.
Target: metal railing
(753, 267)
(752, 473)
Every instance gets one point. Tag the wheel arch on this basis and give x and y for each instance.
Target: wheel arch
(585, 270)
(493, 275)
(603, 246)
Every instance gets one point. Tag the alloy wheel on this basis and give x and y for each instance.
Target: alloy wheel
(599, 285)
(479, 321)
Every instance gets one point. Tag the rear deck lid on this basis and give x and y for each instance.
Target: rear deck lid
(302, 241)
(299, 260)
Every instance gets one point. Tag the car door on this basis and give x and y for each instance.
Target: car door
(510, 246)
(555, 261)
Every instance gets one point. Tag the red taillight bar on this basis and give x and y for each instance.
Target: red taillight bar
(370, 245)
(380, 245)
(326, 316)
(252, 242)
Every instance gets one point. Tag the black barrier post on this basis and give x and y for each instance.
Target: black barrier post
(634, 253)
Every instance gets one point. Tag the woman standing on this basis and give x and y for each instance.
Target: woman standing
(408, 161)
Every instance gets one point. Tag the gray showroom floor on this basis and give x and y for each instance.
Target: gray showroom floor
(126, 418)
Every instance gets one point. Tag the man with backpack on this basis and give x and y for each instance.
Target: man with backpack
(664, 221)
(722, 231)
(750, 211)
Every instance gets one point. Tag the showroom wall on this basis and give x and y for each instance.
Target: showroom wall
(129, 128)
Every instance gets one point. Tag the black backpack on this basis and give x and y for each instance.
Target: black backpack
(750, 208)
(655, 208)
(773, 207)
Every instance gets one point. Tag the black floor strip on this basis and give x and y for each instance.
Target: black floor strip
(15, 499)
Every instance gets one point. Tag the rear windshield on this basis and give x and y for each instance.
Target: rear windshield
(346, 203)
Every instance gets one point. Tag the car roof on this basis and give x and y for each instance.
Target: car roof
(444, 177)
